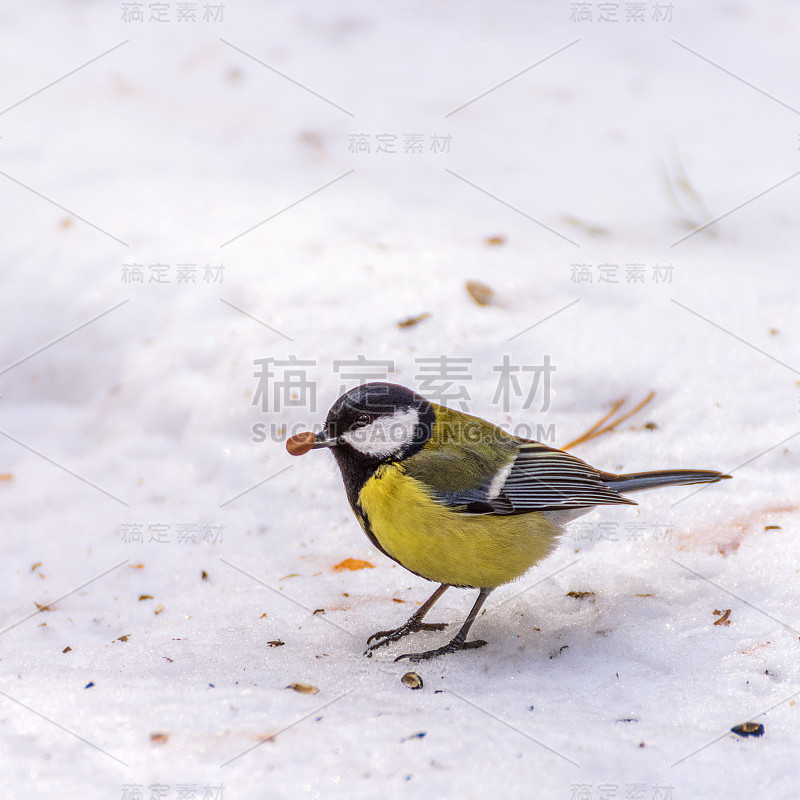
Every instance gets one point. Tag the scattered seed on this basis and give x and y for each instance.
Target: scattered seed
(482, 294)
(590, 228)
(303, 688)
(409, 322)
(581, 595)
(66, 649)
(203, 576)
(352, 564)
(276, 643)
(159, 738)
(145, 597)
(723, 616)
(748, 729)
(412, 680)
(500, 239)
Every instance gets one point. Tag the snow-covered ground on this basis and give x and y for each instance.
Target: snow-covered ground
(156, 537)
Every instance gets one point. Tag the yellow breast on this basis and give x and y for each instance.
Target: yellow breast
(480, 550)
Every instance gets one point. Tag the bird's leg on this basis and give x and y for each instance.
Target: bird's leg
(412, 625)
(458, 642)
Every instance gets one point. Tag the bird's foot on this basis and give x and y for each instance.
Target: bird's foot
(451, 647)
(412, 626)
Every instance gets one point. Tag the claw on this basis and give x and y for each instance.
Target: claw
(387, 637)
(379, 635)
(451, 647)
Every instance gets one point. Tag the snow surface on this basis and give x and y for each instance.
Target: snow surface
(165, 150)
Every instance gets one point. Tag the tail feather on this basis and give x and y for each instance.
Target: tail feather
(638, 481)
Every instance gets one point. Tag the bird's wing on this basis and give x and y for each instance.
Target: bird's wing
(459, 478)
(530, 477)
(460, 464)
(544, 479)
(474, 467)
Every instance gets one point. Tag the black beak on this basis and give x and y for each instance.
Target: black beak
(323, 441)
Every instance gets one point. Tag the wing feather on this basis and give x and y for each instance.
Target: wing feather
(545, 479)
(513, 477)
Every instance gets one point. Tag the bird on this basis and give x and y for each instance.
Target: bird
(457, 500)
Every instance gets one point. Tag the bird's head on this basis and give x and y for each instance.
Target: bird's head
(375, 422)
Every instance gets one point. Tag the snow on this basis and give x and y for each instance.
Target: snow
(165, 151)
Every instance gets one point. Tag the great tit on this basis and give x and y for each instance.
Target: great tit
(457, 500)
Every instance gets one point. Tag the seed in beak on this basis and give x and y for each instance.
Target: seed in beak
(300, 443)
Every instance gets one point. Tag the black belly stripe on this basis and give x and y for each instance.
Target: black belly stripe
(356, 471)
(364, 520)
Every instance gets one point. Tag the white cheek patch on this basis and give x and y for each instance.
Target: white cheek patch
(386, 436)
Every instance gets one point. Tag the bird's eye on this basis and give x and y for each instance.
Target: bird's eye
(362, 420)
